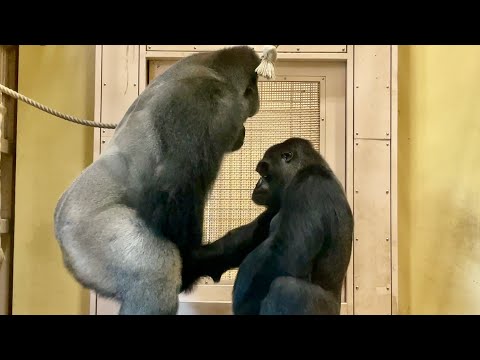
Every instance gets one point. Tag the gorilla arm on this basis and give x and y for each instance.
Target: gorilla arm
(229, 251)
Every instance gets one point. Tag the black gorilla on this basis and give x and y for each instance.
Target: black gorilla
(129, 220)
(294, 257)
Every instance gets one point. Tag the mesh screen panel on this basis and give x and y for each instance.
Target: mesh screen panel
(287, 109)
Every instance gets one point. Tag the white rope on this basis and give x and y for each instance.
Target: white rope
(70, 118)
(266, 67)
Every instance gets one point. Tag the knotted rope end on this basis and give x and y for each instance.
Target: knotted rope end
(266, 67)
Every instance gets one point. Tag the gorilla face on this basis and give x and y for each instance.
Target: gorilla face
(239, 142)
(253, 104)
(276, 169)
(252, 96)
(279, 165)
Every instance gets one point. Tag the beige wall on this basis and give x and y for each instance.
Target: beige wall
(51, 152)
(439, 179)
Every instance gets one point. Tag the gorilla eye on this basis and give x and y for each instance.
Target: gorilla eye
(287, 156)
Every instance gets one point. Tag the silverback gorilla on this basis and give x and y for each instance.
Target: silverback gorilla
(131, 218)
(293, 258)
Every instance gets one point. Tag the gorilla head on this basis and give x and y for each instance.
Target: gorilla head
(233, 64)
(279, 165)
(210, 97)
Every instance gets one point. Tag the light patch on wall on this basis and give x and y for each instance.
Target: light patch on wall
(439, 201)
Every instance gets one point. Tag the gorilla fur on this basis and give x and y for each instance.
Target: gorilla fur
(127, 224)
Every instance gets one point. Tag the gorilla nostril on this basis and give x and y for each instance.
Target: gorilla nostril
(262, 168)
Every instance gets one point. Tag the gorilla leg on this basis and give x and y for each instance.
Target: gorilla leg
(150, 298)
(291, 296)
(130, 264)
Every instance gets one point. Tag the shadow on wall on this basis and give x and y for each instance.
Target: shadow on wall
(439, 176)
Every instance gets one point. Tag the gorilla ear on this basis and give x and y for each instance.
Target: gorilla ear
(287, 156)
